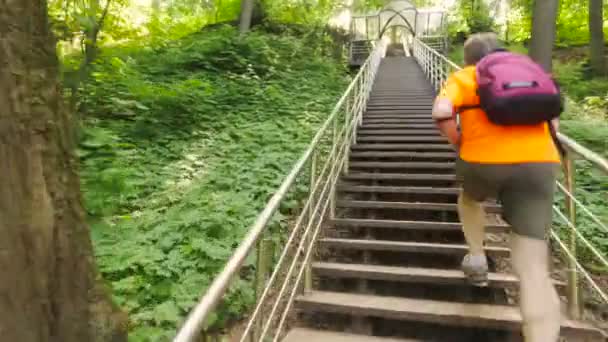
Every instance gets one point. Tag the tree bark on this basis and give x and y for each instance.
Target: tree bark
(596, 31)
(544, 20)
(49, 290)
(246, 15)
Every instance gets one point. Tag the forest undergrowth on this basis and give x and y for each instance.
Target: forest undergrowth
(182, 144)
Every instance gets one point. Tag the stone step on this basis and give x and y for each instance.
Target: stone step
(373, 121)
(398, 139)
(411, 225)
(489, 207)
(362, 132)
(402, 165)
(397, 126)
(310, 335)
(402, 147)
(407, 274)
(397, 189)
(408, 247)
(404, 154)
(431, 311)
(364, 176)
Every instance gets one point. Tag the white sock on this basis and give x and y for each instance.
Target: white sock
(478, 259)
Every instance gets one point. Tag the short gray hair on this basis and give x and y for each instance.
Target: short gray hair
(478, 46)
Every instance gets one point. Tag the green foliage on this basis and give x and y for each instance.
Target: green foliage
(457, 52)
(572, 76)
(572, 22)
(467, 17)
(589, 127)
(183, 144)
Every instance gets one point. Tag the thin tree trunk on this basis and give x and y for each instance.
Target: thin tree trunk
(154, 13)
(218, 8)
(49, 286)
(544, 20)
(596, 30)
(246, 15)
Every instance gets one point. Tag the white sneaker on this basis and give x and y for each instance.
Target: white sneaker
(475, 268)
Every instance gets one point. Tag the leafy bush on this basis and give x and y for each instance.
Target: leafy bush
(182, 145)
(579, 85)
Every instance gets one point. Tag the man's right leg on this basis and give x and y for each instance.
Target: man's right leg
(540, 306)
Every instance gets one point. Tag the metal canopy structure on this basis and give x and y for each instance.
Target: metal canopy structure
(399, 14)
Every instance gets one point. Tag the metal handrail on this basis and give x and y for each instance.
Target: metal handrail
(597, 160)
(350, 106)
(438, 67)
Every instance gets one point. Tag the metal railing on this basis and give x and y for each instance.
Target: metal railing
(438, 68)
(317, 171)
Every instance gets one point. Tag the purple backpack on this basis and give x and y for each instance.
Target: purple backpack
(514, 90)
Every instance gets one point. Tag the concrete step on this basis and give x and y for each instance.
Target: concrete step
(402, 121)
(402, 154)
(397, 115)
(489, 207)
(411, 225)
(408, 247)
(416, 131)
(397, 126)
(378, 189)
(412, 275)
(400, 139)
(403, 165)
(402, 147)
(431, 311)
(423, 111)
(310, 335)
(363, 176)
(407, 274)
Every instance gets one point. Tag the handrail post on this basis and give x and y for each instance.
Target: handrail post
(311, 213)
(263, 255)
(353, 114)
(573, 291)
(335, 148)
(347, 133)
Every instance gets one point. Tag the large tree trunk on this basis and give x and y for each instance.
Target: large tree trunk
(596, 30)
(246, 15)
(49, 286)
(543, 32)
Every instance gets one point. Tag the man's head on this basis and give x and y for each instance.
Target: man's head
(478, 46)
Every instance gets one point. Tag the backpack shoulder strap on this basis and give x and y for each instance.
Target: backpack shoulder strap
(467, 107)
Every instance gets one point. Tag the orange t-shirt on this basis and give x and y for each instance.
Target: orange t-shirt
(484, 142)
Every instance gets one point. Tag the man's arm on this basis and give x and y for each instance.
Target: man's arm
(555, 123)
(443, 114)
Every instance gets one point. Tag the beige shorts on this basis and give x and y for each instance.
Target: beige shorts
(525, 191)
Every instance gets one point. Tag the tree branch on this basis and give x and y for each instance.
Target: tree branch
(104, 14)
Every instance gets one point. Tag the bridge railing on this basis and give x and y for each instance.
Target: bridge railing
(578, 242)
(295, 214)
